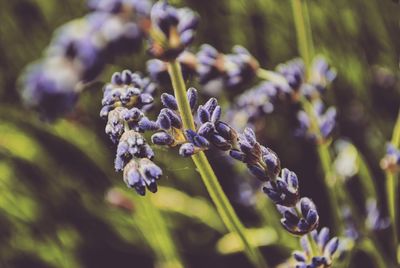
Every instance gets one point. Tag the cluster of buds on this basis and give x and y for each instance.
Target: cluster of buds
(253, 104)
(289, 82)
(172, 30)
(375, 220)
(310, 86)
(78, 53)
(300, 216)
(325, 247)
(324, 120)
(209, 129)
(233, 70)
(124, 101)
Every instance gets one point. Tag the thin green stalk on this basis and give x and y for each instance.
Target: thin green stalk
(329, 182)
(367, 180)
(306, 48)
(211, 182)
(326, 164)
(159, 236)
(368, 246)
(304, 37)
(271, 76)
(392, 184)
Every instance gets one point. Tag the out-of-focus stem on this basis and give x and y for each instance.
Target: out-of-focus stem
(392, 185)
(211, 182)
(303, 30)
(326, 164)
(159, 236)
(368, 246)
(306, 47)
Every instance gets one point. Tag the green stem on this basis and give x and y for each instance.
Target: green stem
(329, 182)
(326, 162)
(367, 180)
(271, 76)
(368, 246)
(392, 185)
(178, 84)
(211, 182)
(159, 236)
(303, 30)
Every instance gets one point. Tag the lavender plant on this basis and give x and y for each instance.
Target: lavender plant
(80, 50)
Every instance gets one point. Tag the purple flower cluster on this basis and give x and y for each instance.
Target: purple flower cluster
(233, 70)
(289, 83)
(209, 129)
(325, 247)
(375, 220)
(79, 51)
(172, 30)
(211, 67)
(325, 122)
(124, 102)
(253, 104)
(300, 216)
(311, 86)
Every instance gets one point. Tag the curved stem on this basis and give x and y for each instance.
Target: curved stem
(326, 161)
(392, 184)
(304, 36)
(158, 235)
(211, 182)
(369, 246)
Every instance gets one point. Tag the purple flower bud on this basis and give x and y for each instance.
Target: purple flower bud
(146, 124)
(192, 97)
(258, 172)
(210, 105)
(220, 142)
(203, 115)
(116, 79)
(169, 101)
(206, 129)
(216, 115)
(331, 247)
(164, 121)
(162, 138)
(238, 155)
(200, 141)
(176, 121)
(187, 149)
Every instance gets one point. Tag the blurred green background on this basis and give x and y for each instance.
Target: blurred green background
(54, 177)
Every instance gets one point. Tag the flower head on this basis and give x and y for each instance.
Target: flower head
(261, 161)
(326, 249)
(50, 87)
(326, 122)
(284, 190)
(172, 30)
(234, 70)
(141, 174)
(301, 219)
(125, 101)
(129, 90)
